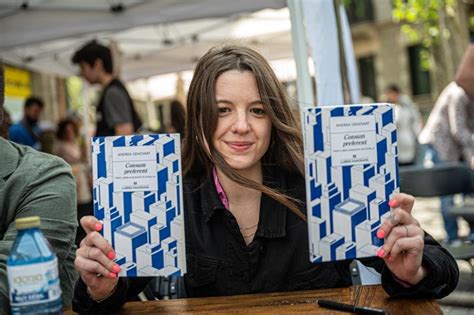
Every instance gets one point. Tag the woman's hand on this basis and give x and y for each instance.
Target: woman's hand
(94, 261)
(404, 241)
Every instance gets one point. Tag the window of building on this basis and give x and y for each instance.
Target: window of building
(420, 77)
(360, 11)
(367, 76)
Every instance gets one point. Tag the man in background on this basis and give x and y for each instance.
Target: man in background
(27, 131)
(408, 120)
(115, 112)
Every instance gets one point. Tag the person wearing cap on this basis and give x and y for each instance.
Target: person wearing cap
(36, 184)
(448, 135)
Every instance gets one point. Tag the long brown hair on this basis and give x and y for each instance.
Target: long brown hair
(286, 145)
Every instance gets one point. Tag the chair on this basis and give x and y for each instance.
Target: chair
(442, 180)
(466, 211)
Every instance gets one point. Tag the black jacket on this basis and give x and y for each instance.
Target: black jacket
(220, 263)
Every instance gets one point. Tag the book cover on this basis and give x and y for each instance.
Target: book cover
(351, 173)
(138, 195)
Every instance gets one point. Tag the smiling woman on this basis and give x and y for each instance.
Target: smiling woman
(244, 201)
(227, 83)
(244, 129)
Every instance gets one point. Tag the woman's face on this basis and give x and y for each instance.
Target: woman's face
(244, 129)
(69, 132)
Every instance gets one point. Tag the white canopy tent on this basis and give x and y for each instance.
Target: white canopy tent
(154, 36)
(31, 21)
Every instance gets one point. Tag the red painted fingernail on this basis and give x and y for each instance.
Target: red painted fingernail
(111, 255)
(116, 268)
(390, 258)
(98, 227)
(393, 203)
(381, 253)
(112, 275)
(380, 233)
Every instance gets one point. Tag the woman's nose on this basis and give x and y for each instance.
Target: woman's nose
(241, 123)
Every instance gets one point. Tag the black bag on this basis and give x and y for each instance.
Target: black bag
(165, 288)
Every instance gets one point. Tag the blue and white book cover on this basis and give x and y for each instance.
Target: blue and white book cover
(351, 165)
(138, 195)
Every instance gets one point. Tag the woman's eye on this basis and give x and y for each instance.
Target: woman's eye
(258, 111)
(223, 110)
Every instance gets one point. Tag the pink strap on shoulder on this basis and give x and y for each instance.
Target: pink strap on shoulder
(220, 190)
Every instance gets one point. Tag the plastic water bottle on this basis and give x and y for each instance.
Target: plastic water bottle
(32, 269)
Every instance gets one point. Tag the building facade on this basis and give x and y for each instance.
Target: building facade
(386, 56)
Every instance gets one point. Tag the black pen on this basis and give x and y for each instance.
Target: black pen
(349, 307)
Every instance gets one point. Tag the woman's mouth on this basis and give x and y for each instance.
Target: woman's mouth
(239, 146)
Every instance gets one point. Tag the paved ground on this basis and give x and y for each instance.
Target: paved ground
(426, 211)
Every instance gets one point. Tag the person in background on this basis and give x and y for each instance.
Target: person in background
(408, 120)
(244, 201)
(177, 118)
(6, 123)
(448, 133)
(27, 131)
(116, 114)
(67, 147)
(36, 184)
(47, 136)
(364, 99)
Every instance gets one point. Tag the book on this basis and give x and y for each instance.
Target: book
(138, 196)
(351, 174)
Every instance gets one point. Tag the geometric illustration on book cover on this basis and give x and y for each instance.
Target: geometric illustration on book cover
(351, 162)
(137, 190)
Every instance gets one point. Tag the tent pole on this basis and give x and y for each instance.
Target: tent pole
(305, 96)
(342, 56)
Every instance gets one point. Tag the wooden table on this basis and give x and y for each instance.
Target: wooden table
(284, 303)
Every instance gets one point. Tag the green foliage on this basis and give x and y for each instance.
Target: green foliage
(74, 88)
(420, 18)
(420, 21)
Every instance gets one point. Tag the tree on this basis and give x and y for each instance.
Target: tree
(441, 26)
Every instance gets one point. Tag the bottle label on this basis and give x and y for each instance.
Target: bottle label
(35, 283)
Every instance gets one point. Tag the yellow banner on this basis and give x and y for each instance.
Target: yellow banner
(17, 82)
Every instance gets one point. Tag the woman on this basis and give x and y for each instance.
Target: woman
(177, 118)
(244, 195)
(66, 147)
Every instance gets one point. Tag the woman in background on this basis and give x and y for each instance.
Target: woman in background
(177, 118)
(66, 146)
